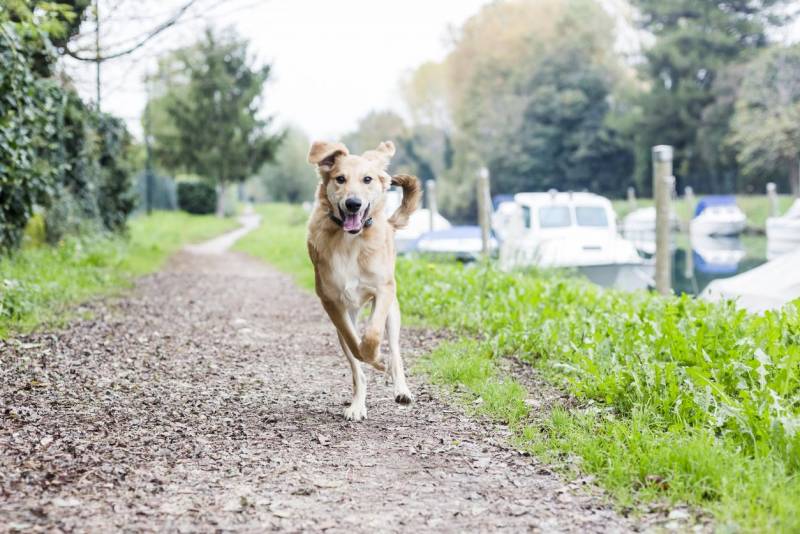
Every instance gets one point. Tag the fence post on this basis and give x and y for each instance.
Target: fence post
(484, 209)
(688, 198)
(430, 192)
(772, 195)
(662, 191)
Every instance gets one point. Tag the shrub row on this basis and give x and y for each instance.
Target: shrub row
(55, 152)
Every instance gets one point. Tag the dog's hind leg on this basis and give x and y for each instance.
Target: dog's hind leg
(402, 394)
(358, 405)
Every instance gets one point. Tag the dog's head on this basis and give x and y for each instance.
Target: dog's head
(353, 185)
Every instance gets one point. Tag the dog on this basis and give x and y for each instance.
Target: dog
(351, 245)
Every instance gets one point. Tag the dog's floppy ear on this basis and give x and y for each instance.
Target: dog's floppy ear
(382, 154)
(323, 154)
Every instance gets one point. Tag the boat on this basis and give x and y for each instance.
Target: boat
(718, 215)
(573, 230)
(504, 216)
(419, 222)
(783, 233)
(639, 227)
(464, 243)
(767, 287)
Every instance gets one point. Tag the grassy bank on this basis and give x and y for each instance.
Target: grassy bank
(680, 399)
(39, 283)
(756, 207)
(677, 399)
(281, 241)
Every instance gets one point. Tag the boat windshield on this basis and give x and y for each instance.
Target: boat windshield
(554, 217)
(591, 216)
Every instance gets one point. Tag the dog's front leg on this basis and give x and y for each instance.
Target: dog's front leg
(371, 343)
(358, 405)
(345, 327)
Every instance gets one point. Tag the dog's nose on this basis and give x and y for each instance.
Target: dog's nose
(352, 204)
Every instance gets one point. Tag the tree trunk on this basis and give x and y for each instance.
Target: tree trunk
(221, 189)
(794, 176)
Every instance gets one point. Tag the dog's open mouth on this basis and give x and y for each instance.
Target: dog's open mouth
(354, 222)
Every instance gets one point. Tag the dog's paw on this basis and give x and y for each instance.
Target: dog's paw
(355, 412)
(403, 396)
(369, 350)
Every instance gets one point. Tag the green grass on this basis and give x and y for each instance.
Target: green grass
(38, 284)
(755, 207)
(281, 241)
(679, 399)
(684, 400)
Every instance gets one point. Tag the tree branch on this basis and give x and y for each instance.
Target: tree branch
(160, 28)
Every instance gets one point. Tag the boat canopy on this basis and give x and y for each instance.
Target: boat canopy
(499, 199)
(714, 201)
(767, 287)
(456, 232)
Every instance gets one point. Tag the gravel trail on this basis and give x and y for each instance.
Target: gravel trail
(210, 398)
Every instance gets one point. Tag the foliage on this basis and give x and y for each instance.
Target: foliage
(290, 178)
(37, 284)
(697, 372)
(199, 198)
(695, 43)
(56, 153)
(220, 87)
(766, 126)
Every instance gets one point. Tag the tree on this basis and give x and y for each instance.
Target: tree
(215, 130)
(564, 141)
(766, 125)
(695, 41)
(290, 178)
(531, 90)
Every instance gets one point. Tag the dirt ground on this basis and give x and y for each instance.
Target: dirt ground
(210, 399)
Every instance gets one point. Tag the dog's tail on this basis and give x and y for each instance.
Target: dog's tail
(412, 192)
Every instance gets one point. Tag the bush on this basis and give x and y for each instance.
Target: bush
(55, 152)
(199, 198)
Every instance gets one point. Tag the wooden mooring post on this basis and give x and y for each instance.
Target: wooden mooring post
(772, 195)
(430, 192)
(663, 183)
(484, 209)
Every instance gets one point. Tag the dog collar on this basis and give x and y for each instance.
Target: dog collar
(339, 222)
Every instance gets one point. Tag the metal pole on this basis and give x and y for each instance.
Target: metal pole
(484, 203)
(430, 192)
(97, 50)
(663, 182)
(688, 197)
(772, 195)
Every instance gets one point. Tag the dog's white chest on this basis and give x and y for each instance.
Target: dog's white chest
(348, 281)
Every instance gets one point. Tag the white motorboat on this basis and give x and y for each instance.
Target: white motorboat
(573, 230)
(639, 227)
(504, 217)
(767, 287)
(419, 222)
(462, 242)
(783, 233)
(718, 216)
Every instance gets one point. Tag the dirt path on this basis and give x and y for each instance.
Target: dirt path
(211, 400)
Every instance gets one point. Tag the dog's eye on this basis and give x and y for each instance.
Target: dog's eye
(367, 179)
(340, 179)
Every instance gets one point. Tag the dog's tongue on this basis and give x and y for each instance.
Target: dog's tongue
(352, 222)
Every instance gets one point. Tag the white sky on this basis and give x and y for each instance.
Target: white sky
(333, 60)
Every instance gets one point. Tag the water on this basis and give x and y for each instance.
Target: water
(695, 263)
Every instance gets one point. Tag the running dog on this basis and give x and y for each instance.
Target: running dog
(351, 244)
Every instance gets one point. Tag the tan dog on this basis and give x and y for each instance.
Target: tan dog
(351, 244)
